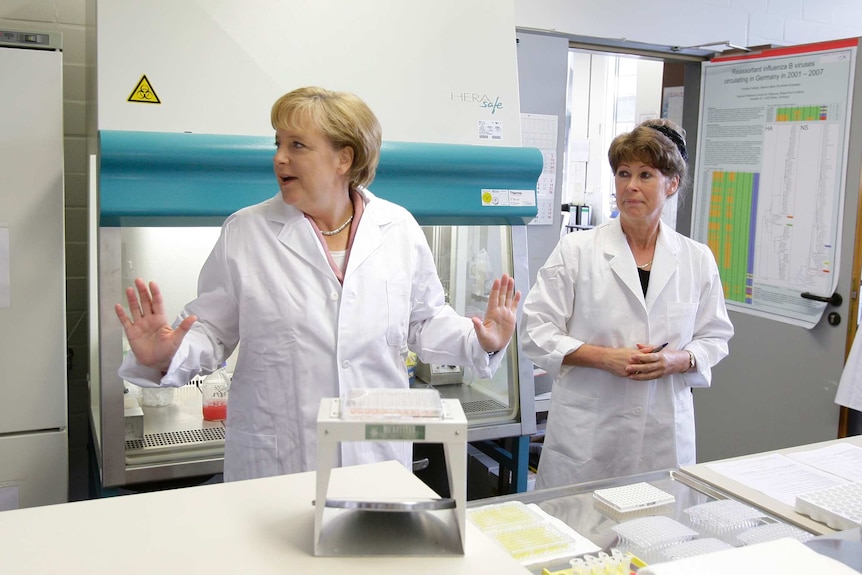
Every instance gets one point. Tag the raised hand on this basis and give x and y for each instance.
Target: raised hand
(148, 331)
(495, 331)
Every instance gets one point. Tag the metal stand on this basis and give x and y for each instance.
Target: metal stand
(391, 527)
(513, 455)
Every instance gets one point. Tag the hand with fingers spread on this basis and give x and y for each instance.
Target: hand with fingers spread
(317, 290)
(150, 336)
(495, 331)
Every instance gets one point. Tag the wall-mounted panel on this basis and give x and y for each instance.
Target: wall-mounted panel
(439, 72)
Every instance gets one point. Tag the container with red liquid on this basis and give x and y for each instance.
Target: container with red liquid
(215, 389)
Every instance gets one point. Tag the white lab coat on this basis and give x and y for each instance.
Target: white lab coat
(849, 392)
(305, 336)
(600, 425)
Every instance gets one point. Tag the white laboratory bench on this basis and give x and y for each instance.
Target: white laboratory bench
(703, 473)
(259, 526)
(267, 525)
(574, 505)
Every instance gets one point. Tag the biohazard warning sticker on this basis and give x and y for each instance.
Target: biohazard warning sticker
(144, 93)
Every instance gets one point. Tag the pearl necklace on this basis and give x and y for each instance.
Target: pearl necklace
(644, 266)
(338, 229)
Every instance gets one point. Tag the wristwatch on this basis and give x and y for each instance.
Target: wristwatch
(690, 361)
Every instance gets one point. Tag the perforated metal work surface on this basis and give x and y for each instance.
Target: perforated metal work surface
(175, 439)
(483, 406)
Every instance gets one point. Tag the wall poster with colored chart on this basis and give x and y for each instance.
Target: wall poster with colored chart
(769, 181)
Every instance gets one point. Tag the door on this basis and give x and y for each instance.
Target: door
(33, 439)
(777, 387)
(32, 270)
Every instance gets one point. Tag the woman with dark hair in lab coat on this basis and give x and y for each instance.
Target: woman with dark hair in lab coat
(325, 285)
(627, 318)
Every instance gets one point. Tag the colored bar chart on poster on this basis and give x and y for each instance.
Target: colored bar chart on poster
(731, 229)
(769, 181)
(801, 114)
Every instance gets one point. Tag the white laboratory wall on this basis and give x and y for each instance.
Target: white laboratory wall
(688, 23)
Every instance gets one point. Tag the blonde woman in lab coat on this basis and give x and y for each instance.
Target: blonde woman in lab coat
(604, 303)
(325, 285)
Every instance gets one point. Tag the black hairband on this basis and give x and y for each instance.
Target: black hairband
(673, 137)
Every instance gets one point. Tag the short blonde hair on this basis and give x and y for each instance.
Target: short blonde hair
(345, 120)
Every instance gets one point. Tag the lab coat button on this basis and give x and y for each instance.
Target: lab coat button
(333, 296)
(345, 364)
(638, 410)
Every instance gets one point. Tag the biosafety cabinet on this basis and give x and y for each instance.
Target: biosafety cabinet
(172, 156)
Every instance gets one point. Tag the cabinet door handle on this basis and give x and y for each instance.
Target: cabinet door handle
(835, 299)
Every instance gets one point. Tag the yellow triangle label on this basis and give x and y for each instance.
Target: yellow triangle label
(144, 93)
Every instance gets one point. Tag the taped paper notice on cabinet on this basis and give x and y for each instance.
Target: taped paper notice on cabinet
(490, 130)
(540, 131)
(508, 197)
(5, 298)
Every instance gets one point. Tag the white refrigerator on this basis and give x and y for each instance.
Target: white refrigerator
(33, 419)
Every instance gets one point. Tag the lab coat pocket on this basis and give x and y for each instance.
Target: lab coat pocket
(574, 418)
(249, 455)
(398, 310)
(681, 318)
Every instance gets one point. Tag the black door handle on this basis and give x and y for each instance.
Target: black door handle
(835, 300)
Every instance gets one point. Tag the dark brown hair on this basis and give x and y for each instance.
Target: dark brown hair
(659, 143)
